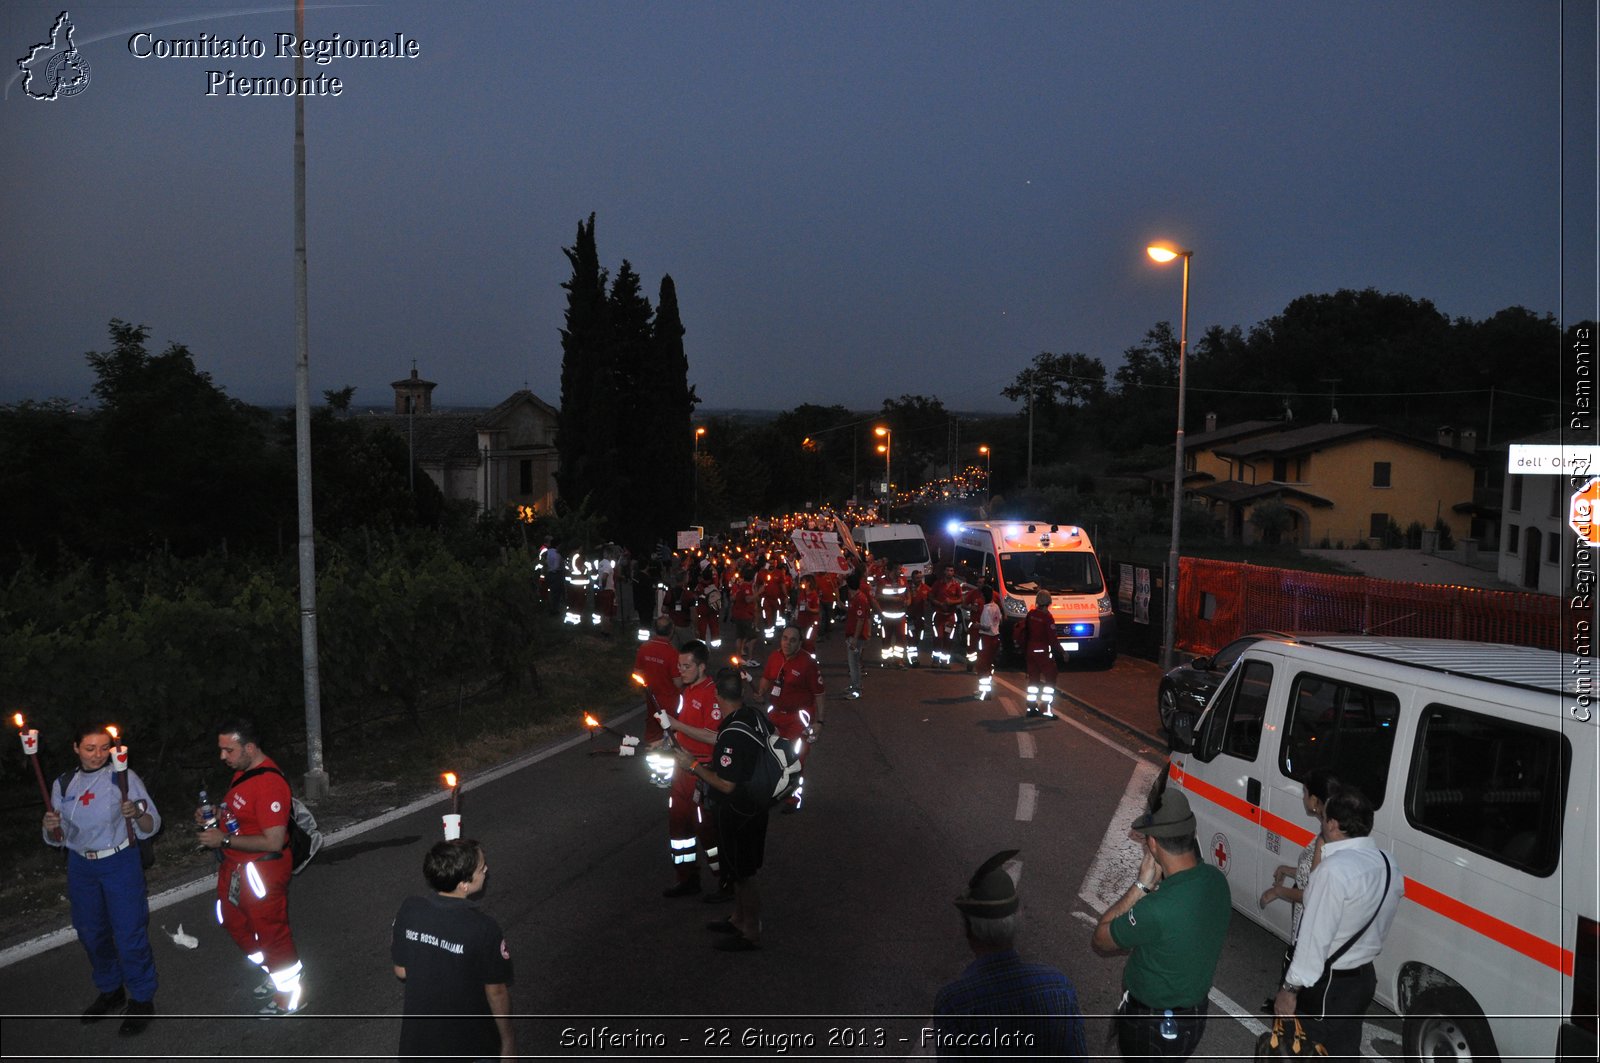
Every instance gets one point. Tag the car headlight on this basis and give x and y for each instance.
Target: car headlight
(1013, 607)
(1105, 604)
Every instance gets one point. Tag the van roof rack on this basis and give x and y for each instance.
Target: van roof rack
(1528, 667)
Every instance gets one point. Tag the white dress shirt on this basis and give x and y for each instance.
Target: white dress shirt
(1338, 901)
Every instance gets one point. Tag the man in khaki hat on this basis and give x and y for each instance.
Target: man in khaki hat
(1001, 1006)
(1173, 920)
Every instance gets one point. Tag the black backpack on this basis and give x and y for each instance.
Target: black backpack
(305, 840)
(777, 773)
(147, 846)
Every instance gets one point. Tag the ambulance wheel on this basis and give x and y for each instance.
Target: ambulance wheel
(1445, 1024)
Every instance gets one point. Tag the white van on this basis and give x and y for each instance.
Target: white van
(903, 543)
(1022, 557)
(1481, 762)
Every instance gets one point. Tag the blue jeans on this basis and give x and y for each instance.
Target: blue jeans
(111, 914)
(852, 653)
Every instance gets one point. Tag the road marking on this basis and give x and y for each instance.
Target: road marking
(1117, 862)
(1085, 728)
(1027, 800)
(1026, 746)
(1247, 1020)
(1087, 918)
(1010, 705)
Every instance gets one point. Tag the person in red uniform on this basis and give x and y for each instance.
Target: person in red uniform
(655, 664)
(828, 585)
(947, 596)
(987, 624)
(972, 605)
(917, 608)
(708, 609)
(791, 686)
(1036, 637)
(808, 612)
(857, 629)
(773, 599)
(742, 611)
(694, 729)
(253, 880)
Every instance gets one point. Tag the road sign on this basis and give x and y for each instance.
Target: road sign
(1585, 507)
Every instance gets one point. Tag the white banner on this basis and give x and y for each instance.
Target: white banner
(688, 540)
(819, 552)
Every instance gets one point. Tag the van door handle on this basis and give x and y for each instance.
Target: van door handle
(1252, 791)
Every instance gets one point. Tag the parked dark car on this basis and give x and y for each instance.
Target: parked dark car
(1186, 689)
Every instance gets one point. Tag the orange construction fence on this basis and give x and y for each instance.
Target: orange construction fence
(1220, 600)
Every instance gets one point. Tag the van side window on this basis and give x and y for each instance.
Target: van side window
(970, 565)
(1234, 723)
(1345, 728)
(1491, 786)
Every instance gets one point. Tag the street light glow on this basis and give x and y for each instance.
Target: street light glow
(1163, 252)
(880, 431)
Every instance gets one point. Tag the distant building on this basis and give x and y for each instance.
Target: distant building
(1535, 542)
(500, 457)
(1342, 483)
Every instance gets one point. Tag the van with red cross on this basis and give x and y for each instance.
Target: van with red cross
(1480, 760)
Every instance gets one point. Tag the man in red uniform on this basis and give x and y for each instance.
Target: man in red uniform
(947, 597)
(655, 666)
(808, 612)
(891, 592)
(694, 727)
(253, 881)
(742, 611)
(857, 629)
(791, 685)
(1036, 637)
(708, 609)
(773, 599)
(917, 607)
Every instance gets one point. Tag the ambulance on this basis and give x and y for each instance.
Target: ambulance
(902, 543)
(1019, 558)
(1481, 761)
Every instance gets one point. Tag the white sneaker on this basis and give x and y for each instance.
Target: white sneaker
(274, 1010)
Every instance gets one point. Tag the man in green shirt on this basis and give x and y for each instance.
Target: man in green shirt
(1173, 920)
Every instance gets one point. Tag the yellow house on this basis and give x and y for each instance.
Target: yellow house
(1342, 483)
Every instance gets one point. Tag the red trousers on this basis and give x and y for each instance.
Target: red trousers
(1041, 665)
(791, 725)
(258, 921)
(690, 825)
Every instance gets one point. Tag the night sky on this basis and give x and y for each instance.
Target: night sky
(855, 200)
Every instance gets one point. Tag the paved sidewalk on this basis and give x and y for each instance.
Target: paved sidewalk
(1124, 695)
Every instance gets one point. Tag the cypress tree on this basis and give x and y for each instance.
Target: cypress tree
(583, 352)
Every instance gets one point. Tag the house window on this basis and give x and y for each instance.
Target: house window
(1378, 525)
(1513, 534)
(1555, 496)
(525, 476)
(1380, 474)
(1552, 554)
(1280, 469)
(1516, 494)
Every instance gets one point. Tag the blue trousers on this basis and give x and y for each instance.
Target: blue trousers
(111, 913)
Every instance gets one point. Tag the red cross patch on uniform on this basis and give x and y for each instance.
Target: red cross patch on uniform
(726, 761)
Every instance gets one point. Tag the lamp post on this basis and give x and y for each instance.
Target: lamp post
(699, 431)
(1163, 253)
(886, 448)
(988, 487)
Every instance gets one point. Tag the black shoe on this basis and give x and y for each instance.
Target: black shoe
(137, 1017)
(104, 1003)
(720, 895)
(687, 888)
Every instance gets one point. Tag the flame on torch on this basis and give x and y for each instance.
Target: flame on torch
(111, 729)
(637, 678)
(16, 718)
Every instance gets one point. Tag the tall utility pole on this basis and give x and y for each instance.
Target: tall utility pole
(316, 777)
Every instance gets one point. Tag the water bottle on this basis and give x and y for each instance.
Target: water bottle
(208, 814)
(230, 822)
(1169, 1026)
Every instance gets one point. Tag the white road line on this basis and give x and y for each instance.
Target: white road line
(1027, 800)
(1118, 859)
(1247, 1020)
(1010, 705)
(1085, 728)
(1087, 918)
(1026, 746)
(207, 884)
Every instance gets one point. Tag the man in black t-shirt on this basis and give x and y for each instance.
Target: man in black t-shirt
(741, 814)
(454, 962)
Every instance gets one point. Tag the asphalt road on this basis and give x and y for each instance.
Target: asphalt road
(909, 790)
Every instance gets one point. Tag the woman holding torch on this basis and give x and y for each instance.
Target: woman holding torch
(105, 882)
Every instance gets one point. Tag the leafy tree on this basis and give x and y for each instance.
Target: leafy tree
(1060, 380)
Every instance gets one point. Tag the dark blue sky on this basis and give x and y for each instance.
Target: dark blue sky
(855, 200)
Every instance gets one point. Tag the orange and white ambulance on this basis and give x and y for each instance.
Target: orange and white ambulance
(1022, 557)
(1481, 761)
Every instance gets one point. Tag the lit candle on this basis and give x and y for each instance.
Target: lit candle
(452, 819)
(30, 749)
(119, 768)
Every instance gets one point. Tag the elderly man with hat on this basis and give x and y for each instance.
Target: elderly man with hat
(1001, 1006)
(1173, 920)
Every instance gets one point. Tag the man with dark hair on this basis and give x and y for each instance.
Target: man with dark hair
(253, 881)
(1175, 936)
(791, 685)
(1035, 1000)
(695, 725)
(1350, 903)
(454, 962)
(741, 816)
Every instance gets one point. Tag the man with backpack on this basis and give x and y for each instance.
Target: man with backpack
(257, 861)
(740, 808)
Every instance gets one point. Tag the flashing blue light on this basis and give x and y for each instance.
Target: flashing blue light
(1080, 629)
(953, 527)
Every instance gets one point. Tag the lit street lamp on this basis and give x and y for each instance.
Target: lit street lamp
(695, 511)
(886, 448)
(1163, 253)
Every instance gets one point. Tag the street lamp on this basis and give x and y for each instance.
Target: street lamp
(1164, 253)
(988, 488)
(886, 448)
(698, 432)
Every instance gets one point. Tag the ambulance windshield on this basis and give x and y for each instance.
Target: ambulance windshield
(1058, 572)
